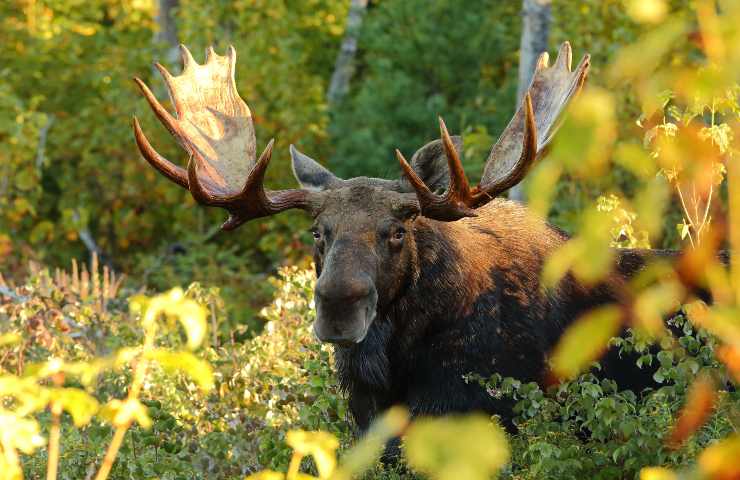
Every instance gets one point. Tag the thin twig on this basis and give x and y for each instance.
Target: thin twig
(706, 210)
(139, 375)
(54, 435)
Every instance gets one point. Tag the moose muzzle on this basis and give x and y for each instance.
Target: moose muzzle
(346, 297)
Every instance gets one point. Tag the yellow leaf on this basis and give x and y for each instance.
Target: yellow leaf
(720, 460)
(9, 339)
(322, 446)
(585, 340)
(457, 447)
(121, 413)
(647, 11)
(199, 370)
(657, 473)
(368, 449)
(79, 404)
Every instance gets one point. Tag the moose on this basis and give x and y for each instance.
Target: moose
(422, 279)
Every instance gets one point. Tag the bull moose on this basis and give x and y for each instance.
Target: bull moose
(421, 279)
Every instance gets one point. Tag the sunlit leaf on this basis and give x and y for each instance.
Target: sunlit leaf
(190, 314)
(647, 11)
(199, 370)
(455, 447)
(592, 243)
(9, 339)
(700, 402)
(657, 473)
(587, 136)
(322, 446)
(653, 304)
(634, 158)
(584, 341)
(368, 449)
(642, 57)
(78, 403)
(720, 460)
(17, 433)
(730, 356)
(121, 413)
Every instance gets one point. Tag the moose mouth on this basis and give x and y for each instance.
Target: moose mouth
(345, 323)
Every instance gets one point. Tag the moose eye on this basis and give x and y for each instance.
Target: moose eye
(400, 233)
(316, 235)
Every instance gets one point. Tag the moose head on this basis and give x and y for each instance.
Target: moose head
(365, 229)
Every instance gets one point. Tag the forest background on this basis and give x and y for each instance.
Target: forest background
(86, 227)
(72, 181)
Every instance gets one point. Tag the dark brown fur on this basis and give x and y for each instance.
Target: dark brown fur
(466, 298)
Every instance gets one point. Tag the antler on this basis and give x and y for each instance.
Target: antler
(214, 126)
(522, 142)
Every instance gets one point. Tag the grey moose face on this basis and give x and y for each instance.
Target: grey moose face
(364, 248)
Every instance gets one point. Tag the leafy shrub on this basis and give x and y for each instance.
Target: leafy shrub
(587, 428)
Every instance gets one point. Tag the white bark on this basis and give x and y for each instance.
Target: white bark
(344, 67)
(536, 20)
(167, 33)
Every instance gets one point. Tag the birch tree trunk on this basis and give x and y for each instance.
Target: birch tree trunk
(167, 33)
(344, 66)
(536, 20)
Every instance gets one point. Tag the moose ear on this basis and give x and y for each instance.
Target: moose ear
(310, 174)
(430, 163)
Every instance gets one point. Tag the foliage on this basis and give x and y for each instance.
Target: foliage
(69, 164)
(79, 371)
(587, 428)
(66, 385)
(420, 59)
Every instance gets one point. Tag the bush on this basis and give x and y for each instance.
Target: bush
(587, 428)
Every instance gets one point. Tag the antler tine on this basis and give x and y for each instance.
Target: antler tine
(542, 61)
(188, 61)
(453, 205)
(210, 53)
(459, 186)
(565, 56)
(422, 191)
(526, 159)
(520, 144)
(164, 166)
(162, 114)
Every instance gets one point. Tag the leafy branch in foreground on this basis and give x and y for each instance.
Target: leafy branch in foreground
(43, 386)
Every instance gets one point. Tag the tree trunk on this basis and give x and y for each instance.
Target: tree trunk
(536, 20)
(167, 33)
(344, 66)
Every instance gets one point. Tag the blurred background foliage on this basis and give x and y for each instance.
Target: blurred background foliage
(641, 161)
(72, 181)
